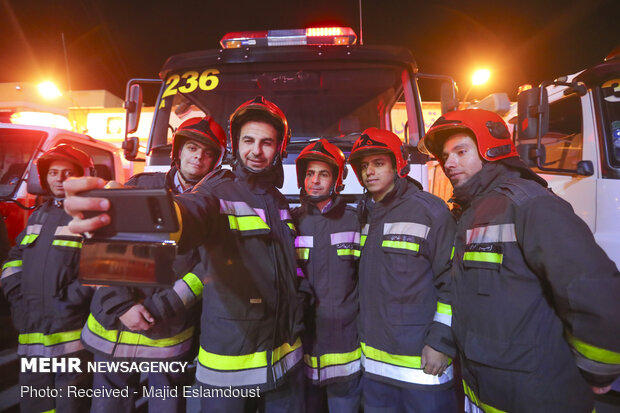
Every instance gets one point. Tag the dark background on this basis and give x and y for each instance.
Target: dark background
(108, 42)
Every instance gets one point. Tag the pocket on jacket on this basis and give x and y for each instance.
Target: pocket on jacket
(507, 355)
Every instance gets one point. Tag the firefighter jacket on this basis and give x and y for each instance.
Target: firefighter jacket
(406, 240)
(48, 304)
(252, 312)
(535, 299)
(174, 309)
(328, 250)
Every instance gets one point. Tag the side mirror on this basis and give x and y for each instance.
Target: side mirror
(528, 154)
(33, 186)
(133, 106)
(585, 168)
(449, 101)
(532, 108)
(130, 148)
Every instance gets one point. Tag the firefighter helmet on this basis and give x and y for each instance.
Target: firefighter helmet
(203, 130)
(326, 152)
(492, 135)
(63, 152)
(375, 141)
(259, 108)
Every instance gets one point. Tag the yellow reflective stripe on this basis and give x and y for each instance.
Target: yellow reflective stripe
(291, 226)
(335, 359)
(452, 254)
(344, 251)
(194, 283)
(248, 223)
(128, 337)
(280, 352)
(221, 362)
(444, 308)
(472, 396)
(483, 256)
(403, 245)
(9, 264)
(363, 240)
(398, 360)
(29, 239)
(591, 352)
(50, 411)
(49, 339)
(64, 243)
(302, 253)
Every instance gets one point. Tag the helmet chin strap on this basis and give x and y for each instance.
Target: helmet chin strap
(319, 198)
(187, 180)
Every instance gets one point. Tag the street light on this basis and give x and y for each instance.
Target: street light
(49, 90)
(480, 77)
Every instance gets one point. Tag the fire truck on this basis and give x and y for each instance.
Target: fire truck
(568, 131)
(327, 85)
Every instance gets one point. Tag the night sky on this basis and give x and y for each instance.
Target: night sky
(109, 42)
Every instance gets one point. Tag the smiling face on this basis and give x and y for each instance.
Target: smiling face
(57, 173)
(196, 159)
(319, 178)
(460, 158)
(378, 175)
(258, 144)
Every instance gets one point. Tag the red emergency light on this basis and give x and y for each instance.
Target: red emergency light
(294, 37)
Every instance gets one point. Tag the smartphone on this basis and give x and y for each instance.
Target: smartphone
(134, 210)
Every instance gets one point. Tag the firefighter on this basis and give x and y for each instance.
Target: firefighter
(48, 304)
(535, 299)
(328, 250)
(405, 316)
(156, 323)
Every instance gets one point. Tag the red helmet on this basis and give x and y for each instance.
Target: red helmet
(259, 108)
(67, 153)
(204, 130)
(492, 135)
(322, 151)
(375, 141)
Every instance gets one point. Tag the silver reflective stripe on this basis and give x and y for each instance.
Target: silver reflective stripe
(132, 350)
(288, 362)
(240, 209)
(10, 271)
(365, 229)
(300, 272)
(49, 351)
(304, 242)
(330, 372)
(34, 229)
(443, 319)
(64, 231)
(405, 228)
(184, 292)
(405, 374)
(285, 214)
(235, 378)
(492, 233)
(470, 407)
(345, 238)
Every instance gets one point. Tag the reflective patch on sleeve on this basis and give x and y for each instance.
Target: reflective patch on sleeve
(350, 237)
(412, 229)
(491, 234)
(304, 241)
(11, 267)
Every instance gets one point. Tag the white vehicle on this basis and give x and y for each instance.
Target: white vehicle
(568, 131)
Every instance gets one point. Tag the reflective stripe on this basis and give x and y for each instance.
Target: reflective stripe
(291, 226)
(65, 243)
(134, 350)
(129, 337)
(11, 267)
(331, 372)
(406, 228)
(492, 257)
(443, 314)
(49, 339)
(50, 411)
(223, 362)
(405, 374)
(333, 359)
(285, 214)
(34, 229)
(491, 233)
(249, 223)
(302, 253)
(304, 242)
(452, 254)
(474, 405)
(346, 251)
(240, 208)
(41, 350)
(363, 240)
(64, 231)
(591, 352)
(189, 289)
(345, 238)
(403, 245)
(218, 378)
(379, 355)
(300, 272)
(364, 234)
(285, 357)
(29, 239)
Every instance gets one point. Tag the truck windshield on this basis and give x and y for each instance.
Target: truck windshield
(335, 101)
(16, 149)
(610, 91)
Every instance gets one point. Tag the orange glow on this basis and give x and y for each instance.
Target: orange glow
(480, 76)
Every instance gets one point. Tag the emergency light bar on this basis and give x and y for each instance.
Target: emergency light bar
(341, 36)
